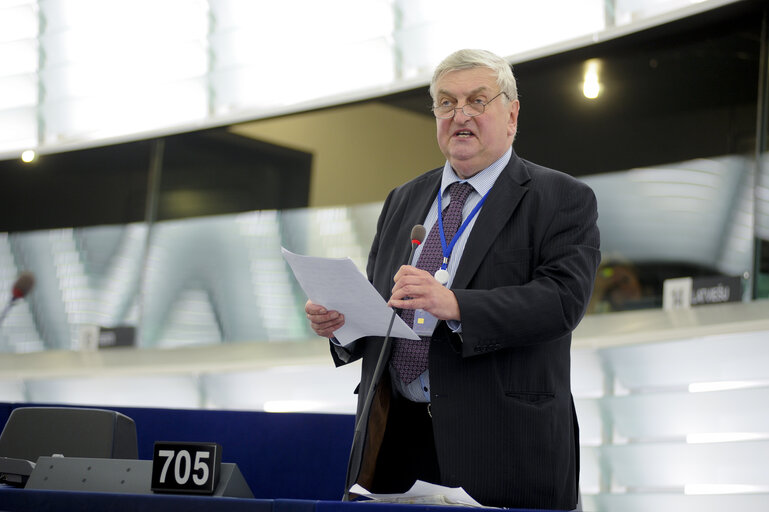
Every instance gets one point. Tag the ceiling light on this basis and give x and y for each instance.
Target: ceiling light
(28, 156)
(591, 86)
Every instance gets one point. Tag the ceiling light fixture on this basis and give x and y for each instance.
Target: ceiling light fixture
(591, 86)
(28, 156)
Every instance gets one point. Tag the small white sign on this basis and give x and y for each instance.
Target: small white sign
(88, 337)
(677, 293)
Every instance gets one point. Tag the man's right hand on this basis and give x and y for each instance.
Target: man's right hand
(322, 321)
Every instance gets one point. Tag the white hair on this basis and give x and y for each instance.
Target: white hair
(469, 59)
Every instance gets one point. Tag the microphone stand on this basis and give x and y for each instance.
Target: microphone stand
(380, 365)
(6, 309)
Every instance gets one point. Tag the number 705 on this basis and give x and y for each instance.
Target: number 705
(183, 466)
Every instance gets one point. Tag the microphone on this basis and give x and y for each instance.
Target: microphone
(418, 234)
(23, 285)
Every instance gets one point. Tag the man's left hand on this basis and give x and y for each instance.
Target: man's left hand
(423, 292)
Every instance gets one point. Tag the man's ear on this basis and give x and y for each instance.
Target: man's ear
(515, 107)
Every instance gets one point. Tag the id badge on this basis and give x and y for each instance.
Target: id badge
(424, 322)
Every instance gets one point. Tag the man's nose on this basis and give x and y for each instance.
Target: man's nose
(460, 116)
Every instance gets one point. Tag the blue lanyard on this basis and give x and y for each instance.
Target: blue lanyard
(450, 247)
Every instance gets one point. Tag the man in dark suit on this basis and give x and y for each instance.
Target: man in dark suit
(483, 401)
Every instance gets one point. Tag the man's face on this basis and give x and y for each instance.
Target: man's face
(471, 144)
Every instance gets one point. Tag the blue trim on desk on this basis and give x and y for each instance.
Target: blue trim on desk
(22, 500)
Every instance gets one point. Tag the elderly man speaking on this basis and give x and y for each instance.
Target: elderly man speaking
(483, 401)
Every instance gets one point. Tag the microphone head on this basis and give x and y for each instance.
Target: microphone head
(418, 234)
(23, 285)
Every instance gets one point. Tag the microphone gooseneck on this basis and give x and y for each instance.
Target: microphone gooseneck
(418, 233)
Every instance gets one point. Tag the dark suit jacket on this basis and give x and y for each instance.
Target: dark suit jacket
(503, 415)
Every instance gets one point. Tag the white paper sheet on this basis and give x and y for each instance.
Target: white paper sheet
(423, 493)
(337, 284)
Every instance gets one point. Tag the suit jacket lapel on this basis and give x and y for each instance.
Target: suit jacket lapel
(499, 206)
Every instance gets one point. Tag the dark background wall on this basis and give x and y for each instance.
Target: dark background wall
(201, 173)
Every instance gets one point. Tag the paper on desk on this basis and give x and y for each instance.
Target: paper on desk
(337, 284)
(423, 493)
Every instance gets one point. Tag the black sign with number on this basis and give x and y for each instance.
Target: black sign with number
(186, 467)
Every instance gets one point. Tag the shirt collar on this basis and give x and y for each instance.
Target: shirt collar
(481, 181)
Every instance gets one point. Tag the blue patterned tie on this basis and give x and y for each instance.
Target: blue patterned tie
(409, 357)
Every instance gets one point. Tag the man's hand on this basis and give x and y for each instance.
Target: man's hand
(424, 292)
(322, 321)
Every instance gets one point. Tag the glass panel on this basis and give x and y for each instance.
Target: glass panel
(693, 417)
(429, 30)
(629, 11)
(667, 502)
(684, 219)
(18, 21)
(589, 471)
(678, 466)
(206, 280)
(12, 390)
(728, 357)
(18, 129)
(677, 427)
(18, 58)
(123, 84)
(148, 106)
(293, 388)
(19, 332)
(177, 391)
(18, 91)
(244, 77)
(82, 277)
(18, 78)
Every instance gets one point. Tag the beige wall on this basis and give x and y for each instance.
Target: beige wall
(360, 152)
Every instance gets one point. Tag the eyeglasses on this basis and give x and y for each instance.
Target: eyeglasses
(469, 109)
